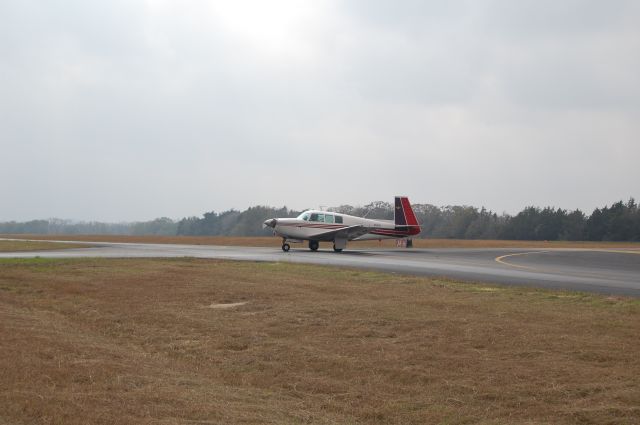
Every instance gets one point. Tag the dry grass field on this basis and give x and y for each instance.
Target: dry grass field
(15, 246)
(276, 242)
(198, 341)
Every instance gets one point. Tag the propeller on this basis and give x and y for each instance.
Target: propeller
(270, 223)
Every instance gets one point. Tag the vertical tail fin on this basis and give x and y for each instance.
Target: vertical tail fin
(404, 215)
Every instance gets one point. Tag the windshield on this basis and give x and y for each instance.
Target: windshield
(304, 216)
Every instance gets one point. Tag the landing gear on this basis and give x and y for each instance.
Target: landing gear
(286, 247)
(336, 249)
(314, 245)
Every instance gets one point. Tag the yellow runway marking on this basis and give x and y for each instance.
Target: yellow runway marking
(501, 258)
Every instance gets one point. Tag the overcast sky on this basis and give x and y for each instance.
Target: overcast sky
(131, 110)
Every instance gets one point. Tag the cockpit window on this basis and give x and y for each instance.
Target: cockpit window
(321, 218)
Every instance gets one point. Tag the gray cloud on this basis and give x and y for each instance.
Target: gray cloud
(131, 110)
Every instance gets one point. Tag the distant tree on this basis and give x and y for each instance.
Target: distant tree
(431, 219)
(622, 221)
(573, 226)
(160, 226)
(343, 209)
(375, 210)
(634, 213)
(232, 222)
(249, 222)
(486, 225)
(596, 225)
(188, 226)
(461, 218)
(616, 222)
(523, 225)
(549, 224)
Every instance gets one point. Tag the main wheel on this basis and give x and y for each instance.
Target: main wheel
(336, 249)
(286, 247)
(314, 245)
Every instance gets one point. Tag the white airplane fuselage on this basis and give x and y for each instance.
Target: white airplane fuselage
(316, 226)
(300, 229)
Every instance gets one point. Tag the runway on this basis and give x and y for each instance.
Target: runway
(606, 271)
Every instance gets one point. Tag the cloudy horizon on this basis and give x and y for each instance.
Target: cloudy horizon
(132, 110)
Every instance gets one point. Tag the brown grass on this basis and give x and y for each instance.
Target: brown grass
(276, 242)
(15, 246)
(137, 341)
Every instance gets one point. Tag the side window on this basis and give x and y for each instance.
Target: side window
(320, 217)
(314, 217)
(339, 219)
(328, 218)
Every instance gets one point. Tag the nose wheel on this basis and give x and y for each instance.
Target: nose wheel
(314, 245)
(285, 246)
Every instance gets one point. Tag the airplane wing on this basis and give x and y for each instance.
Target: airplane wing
(348, 233)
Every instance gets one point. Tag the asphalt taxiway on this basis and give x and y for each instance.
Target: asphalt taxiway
(607, 271)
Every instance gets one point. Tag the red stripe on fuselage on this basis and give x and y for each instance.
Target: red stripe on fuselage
(315, 226)
(390, 232)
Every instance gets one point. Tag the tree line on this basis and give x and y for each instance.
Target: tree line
(618, 222)
(160, 226)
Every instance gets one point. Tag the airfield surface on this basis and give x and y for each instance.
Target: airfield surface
(608, 271)
(193, 341)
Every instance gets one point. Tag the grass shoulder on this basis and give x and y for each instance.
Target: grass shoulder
(29, 245)
(191, 340)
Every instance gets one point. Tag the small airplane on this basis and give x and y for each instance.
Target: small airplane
(316, 226)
